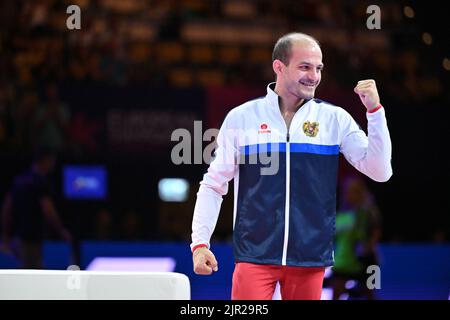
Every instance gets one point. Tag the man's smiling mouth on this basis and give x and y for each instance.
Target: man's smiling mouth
(307, 84)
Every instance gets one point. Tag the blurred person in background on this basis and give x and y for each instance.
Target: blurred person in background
(103, 225)
(28, 209)
(51, 121)
(130, 226)
(284, 221)
(358, 231)
(23, 116)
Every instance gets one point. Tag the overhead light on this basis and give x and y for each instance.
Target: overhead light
(427, 38)
(173, 189)
(408, 12)
(446, 64)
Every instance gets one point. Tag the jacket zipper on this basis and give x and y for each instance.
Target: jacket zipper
(288, 186)
(286, 212)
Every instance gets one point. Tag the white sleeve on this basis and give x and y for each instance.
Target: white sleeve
(215, 185)
(370, 154)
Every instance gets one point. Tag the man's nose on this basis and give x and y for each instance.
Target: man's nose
(313, 75)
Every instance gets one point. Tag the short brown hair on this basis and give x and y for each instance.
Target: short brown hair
(282, 48)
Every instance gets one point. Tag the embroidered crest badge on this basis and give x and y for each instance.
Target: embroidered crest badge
(311, 129)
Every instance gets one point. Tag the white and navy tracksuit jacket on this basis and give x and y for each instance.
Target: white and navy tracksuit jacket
(286, 217)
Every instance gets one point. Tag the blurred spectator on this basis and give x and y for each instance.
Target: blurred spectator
(130, 226)
(103, 225)
(357, 234)
(83, 134)
(174, 222)
(24, 136)
(27, 210)
(51, 121)
(174, 219)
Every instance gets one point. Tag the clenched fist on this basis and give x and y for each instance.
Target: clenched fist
(368, 93)
(204, 261)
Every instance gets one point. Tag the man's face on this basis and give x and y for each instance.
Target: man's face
(303, 73)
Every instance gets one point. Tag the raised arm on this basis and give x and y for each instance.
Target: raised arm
(369, 154)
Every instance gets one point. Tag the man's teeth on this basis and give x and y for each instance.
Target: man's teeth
(307, 84)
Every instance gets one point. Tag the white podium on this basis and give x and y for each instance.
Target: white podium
(92, 285)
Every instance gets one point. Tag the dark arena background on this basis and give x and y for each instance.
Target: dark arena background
(105, 89)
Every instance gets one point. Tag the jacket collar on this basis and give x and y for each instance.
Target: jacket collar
(273, 97)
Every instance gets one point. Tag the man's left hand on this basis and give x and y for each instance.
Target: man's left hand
(368, 93)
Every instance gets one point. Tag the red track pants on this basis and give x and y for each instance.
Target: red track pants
(257, 282)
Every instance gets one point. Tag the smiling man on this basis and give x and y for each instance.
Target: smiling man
(284, 222)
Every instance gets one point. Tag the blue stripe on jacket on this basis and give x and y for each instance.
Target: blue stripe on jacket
(294, 147)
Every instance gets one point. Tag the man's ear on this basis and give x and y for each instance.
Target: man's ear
(277, 66)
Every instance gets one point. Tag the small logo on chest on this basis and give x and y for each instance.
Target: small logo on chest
(264, 128)
(311, 128)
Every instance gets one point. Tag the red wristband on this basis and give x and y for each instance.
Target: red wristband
(201, 245)
(376, 108)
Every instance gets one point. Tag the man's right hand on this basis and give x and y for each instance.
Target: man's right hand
(204, 261)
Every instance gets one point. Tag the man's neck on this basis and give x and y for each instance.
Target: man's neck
(288, 102)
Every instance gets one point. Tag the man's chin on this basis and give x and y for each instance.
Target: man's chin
(307, 95)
